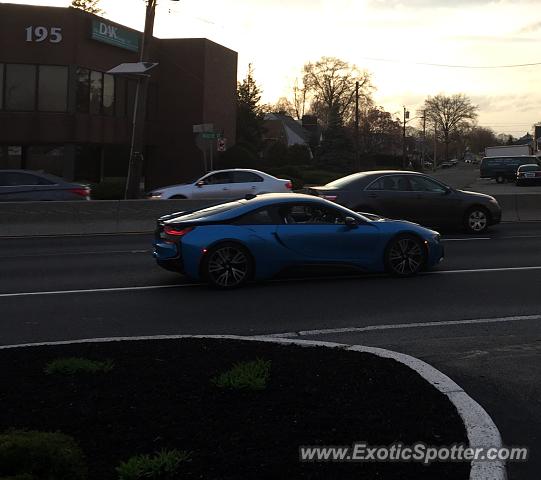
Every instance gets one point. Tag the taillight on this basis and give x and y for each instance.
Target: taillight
(289, 185)
(176, 232)
(83, 191)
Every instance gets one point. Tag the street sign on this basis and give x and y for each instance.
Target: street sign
(221, 146)
(211, 135)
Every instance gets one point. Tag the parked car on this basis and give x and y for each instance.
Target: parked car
(256, 238)
(29, 185)
(233, 183)
(504, 168)
(413, 196)
(529, 174)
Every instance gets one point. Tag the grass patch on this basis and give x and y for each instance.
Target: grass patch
(33, 455)
(245, 376)
(74, 365)
(164, 465)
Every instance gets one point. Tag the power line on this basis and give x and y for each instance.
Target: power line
(444, 65)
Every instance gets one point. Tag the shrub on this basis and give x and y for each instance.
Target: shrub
(32, 455)
(298, 155)
(109, 189)
(238, 156)
(245, 376)
(164, 465)
(74, 365)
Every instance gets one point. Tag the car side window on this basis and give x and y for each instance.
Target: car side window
(246, 177)
(310, 214)
(13, 179)
(218, 178)
(263, 216)
(423, 184)
(395, 183)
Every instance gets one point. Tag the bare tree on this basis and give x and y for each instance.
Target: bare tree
(330, 85)
(283, 105)
(90, 6)
(450, 115)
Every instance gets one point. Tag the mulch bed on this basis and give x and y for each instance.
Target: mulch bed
(159, 396)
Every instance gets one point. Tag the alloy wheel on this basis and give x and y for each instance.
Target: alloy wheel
(405, 256)
(477, 221)
(228, 266)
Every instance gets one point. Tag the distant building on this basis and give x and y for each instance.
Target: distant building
(284, 129)
(60, 112)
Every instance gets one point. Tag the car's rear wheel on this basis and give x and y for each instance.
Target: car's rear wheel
(476, 220)
(227, 265)
(405, 256)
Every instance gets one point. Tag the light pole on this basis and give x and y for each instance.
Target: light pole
(135, 167)
(406, 117)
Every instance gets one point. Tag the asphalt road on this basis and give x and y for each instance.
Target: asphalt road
(116, 290)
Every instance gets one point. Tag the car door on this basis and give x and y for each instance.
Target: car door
(392, 196)
(318, 233)
(246, 182)
(22, 186)
(214, 185)
(435, 204)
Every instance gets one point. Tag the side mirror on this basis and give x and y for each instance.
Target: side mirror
(200, 183)
(351, 222)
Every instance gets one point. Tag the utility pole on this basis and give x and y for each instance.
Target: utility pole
(135, 167)
(423, 148)
(435, 147)
(406, 116)
(357, 158)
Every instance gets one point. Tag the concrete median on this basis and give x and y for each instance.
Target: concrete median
(85, 218)
(139, 216)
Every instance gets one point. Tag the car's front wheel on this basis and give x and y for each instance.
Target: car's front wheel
(476, 220)
(227, 265)
(405, 256)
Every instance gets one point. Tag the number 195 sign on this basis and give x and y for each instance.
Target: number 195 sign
(41, 34)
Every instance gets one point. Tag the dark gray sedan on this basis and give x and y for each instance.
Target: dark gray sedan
(413, 196)
(28, 185)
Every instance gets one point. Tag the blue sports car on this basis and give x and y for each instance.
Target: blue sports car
(255, 238)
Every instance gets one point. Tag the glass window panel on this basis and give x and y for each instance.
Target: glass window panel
(1, 86)
(96, 90)
(20, 87)
(83, 89)
(53, 88)
(120, 97)
(108, 94)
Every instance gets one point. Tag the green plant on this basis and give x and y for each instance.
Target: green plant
(32, 455)
(245, 376)
(74, 365)
(108, 189)
(164, 465)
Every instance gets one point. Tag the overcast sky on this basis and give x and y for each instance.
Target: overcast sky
(389, 38)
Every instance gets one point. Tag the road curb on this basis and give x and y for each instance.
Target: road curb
(480, 428)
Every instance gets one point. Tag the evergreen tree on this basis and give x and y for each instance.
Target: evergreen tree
(250, 115)
(90, 6)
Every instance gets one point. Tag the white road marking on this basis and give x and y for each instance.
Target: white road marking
(98, 290)
(183, 285)
(371, 328)
(465, 239)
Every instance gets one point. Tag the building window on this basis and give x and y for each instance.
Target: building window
(20, 88)
(108, 94)
(120, 97)
(83, 89)
(1, 86)
(96, 92)
(53, 88)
